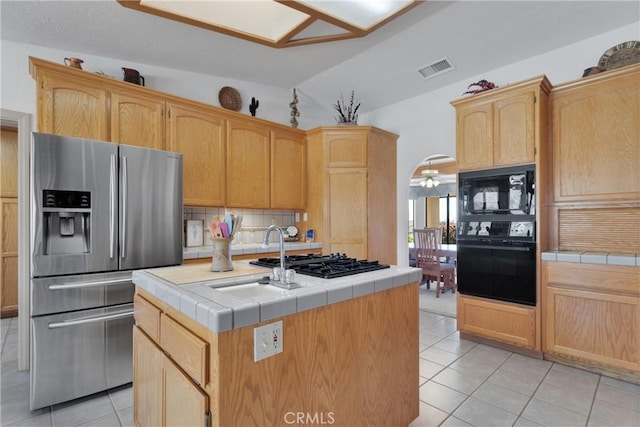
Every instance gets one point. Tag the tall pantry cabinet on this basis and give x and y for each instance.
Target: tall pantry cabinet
(8, 222)
(352, 191)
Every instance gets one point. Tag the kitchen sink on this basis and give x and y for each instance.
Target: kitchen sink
(257, 289)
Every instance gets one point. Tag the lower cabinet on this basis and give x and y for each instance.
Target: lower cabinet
(499, 321)
(592, 316)
(169, 371)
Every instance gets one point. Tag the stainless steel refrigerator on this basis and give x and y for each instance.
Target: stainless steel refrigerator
(98, 211)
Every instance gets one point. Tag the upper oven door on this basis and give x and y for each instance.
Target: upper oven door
(504, 191)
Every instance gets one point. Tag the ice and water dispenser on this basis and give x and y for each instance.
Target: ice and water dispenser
(66, 219)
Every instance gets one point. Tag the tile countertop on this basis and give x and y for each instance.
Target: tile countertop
(221, 312)
(247, 249)
(592, 258)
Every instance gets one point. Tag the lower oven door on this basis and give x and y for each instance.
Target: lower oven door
(503, 271)
(79, 353)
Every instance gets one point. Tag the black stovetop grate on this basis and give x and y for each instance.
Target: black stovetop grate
(326, 267)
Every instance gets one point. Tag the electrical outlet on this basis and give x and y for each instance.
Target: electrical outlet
(297, 217)
(267, 340)
(305, 217)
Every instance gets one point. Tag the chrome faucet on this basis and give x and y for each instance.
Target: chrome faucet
(265, 243)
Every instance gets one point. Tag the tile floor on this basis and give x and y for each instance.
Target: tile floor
(464, 383)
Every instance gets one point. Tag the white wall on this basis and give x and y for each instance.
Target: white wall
(426, 123)
(18, 91)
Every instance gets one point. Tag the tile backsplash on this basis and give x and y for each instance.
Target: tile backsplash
(254, 222)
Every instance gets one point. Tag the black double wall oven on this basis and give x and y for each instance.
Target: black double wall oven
(496, 240)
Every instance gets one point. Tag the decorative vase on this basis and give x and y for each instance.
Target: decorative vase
(221, 258)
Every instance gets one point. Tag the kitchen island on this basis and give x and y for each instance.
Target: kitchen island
(349, 348)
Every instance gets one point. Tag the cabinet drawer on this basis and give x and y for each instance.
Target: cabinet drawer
(186, 349)
(147, 317)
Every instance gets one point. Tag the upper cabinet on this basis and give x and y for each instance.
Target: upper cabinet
(137, 120)
(229, 159)
(595, 136)
(248, 164)
(501, 127)
(288, 170)
(197, 133)
(70, 105)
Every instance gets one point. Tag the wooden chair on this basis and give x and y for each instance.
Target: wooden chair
(427, 247)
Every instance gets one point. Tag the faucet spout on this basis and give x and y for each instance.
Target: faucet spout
(266, 243)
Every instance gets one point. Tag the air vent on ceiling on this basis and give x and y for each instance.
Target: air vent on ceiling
(438, 67)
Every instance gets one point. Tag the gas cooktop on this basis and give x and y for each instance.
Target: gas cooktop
(324, 266)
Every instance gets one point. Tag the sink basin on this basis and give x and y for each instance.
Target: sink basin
(253, 290)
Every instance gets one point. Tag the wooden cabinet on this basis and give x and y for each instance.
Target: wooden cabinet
(594, 204)
(8, 222)
(501, 127)
(228, 159)
(499, 321)
(137, 120)
(164, 390)
(248, 165)
(199, 134)
(69, 104)
(592, 316)
(288, 170)
(352, 191)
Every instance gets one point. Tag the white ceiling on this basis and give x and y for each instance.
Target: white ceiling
(476, 36)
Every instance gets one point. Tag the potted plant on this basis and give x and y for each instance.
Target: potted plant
(347, 115)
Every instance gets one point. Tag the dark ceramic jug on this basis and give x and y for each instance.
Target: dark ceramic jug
(132, 76)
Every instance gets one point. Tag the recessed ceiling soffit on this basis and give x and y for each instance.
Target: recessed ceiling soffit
(280, 23)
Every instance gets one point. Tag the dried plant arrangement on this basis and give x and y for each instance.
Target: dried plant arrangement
(347, 114)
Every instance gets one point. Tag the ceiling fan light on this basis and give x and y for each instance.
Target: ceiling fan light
(429, 182)
(435, 182)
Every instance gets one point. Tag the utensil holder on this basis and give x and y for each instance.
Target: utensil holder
(221, 258)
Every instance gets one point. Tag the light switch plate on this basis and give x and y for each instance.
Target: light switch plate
(267, 340)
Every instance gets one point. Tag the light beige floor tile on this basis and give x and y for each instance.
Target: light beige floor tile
(441, 397)
(550, 415)
(439, 356)
(608, 412)
(41, 420)
(574, 401)
(428, 339)
(469, 365)
(109, 420)
(16, 409)
(523, 422)
(457, 346)
(503, 398)
(455, 422)
(428, 369)
(489, 355)
(465, 383)
(479, 413)
(619, 392)
(514, 381)
(121, 397)
(429, 416)
(81, 410)
(527, 365)
(572, 378)
(126, 416)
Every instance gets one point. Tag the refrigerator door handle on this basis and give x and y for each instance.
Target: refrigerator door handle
(106, 318)
(79, 285)
(112, 207)
(125, 183)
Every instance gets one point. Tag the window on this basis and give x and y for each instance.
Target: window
(448, 218)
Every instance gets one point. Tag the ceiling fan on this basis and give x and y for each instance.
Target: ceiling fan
(429, 177)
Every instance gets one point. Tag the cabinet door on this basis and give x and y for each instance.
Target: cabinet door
(184, 403)
(474, 128)
(9, 162)
(514, 130)
(288, 170)
(72, 108)
(137, 120)
(199, 135)
(147, 381)
(348, 212)
(248, 165)
(9, 257)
